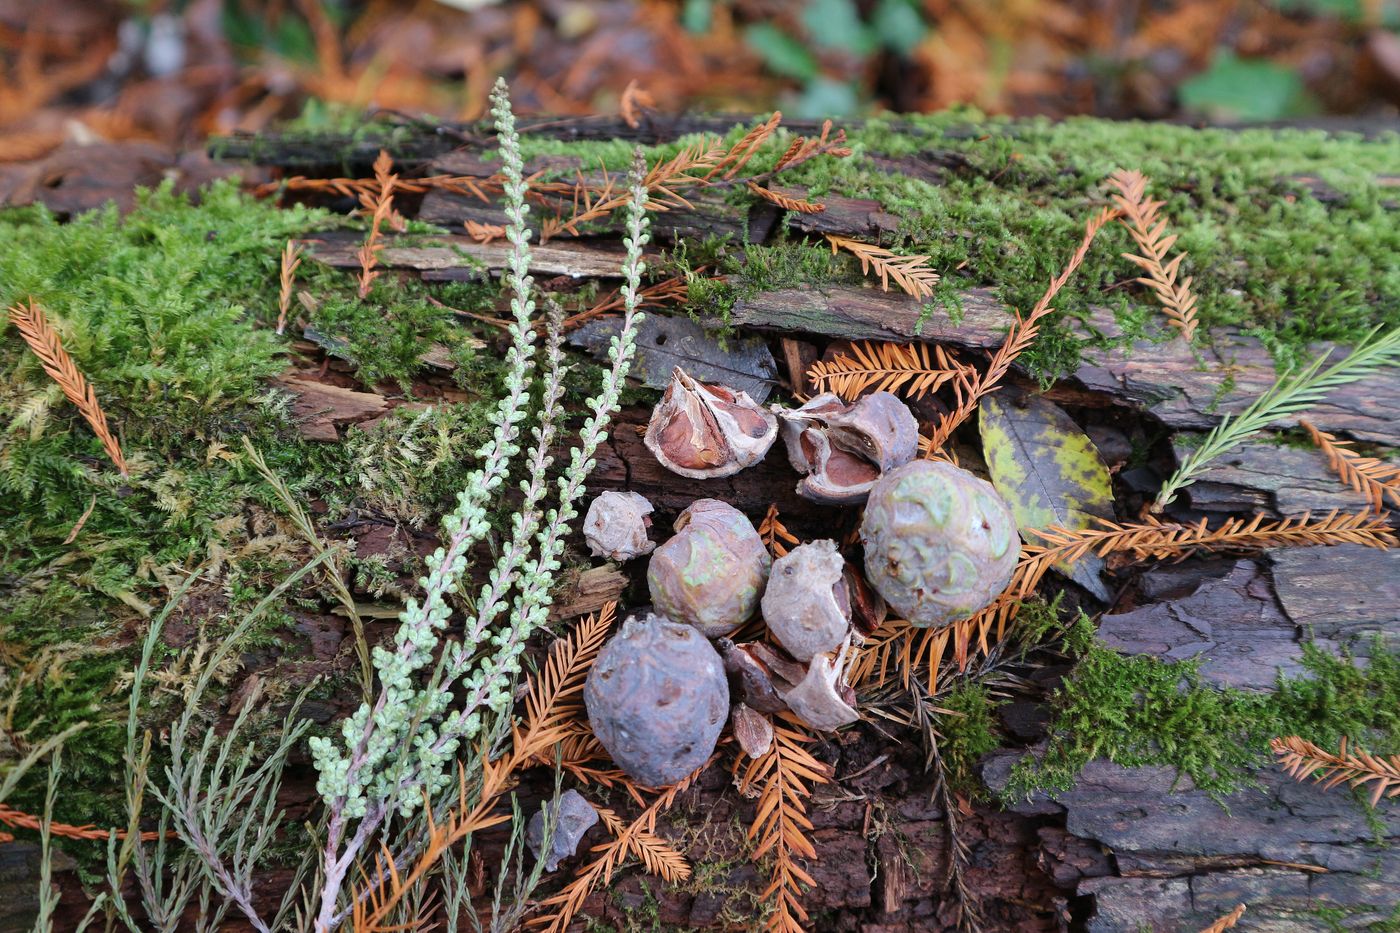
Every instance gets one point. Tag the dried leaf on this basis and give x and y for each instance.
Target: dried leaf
(744, 364)
(1049, 472)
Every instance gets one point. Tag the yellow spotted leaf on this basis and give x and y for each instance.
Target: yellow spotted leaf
(1048, 471)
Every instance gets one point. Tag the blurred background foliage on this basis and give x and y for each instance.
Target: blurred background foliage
(175, 71)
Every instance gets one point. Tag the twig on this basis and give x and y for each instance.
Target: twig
(913, 369)
(785, 202)
(1292, 393)
(1226, 922)
(291, 259)
(380, 205)
(774, 533)
(785, 775)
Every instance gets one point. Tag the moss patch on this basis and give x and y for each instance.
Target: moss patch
(1138, 711)
(168, 313)
(1290, 234)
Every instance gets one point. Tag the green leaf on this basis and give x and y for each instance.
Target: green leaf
(782, 53)
(697, 15)
(826, 97)
(836, 24)
(1245, 89)
(1048, 471)
(899, 26)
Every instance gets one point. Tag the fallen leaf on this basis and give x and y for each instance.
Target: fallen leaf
(1048, 471)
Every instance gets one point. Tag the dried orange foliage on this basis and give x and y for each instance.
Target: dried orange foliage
(784, 777)
(48, 347)
(1018, 339)
(18, 819)
(910, 273)
(1226, 922)
(785, 202)
(912, 369)
(1162, 540)
(709, 163)
(774, 533)
(466, 185)
(807, 147)
(664, 182)
(906, 648)
(484, 233)
(658, 294)
(638, 838)
(634, 98)
(380, 204)
(291, 260)
(1140, 216)
(742, 151)
(1357, 767)
(1375, 479)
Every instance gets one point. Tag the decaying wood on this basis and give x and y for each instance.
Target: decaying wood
(1182, 858)
(1146, 848)
(319, 408)
(459, 257)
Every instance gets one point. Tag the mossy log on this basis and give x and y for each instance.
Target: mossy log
(1141, 846)
(1293, 240)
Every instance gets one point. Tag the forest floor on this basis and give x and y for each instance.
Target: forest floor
(1101, 763)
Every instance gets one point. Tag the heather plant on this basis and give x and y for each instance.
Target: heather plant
(395, 751)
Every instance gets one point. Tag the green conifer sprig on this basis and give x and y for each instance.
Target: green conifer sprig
(1294, 392)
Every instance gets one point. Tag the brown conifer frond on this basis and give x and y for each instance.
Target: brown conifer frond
(380, 206)
(634, 99)
(1161, 540)
(1226, 922)
(785, 202)
(555, 694)
(1018, 339)
(552, 709)
(48, 347)
(909, 649)
(357, 188)
(664, 182)
(658, 294)
(804, 148)
(483, 233)
(18, 819)
(914, 370)
(774, 533)
(637, 838)
(784, 777)
(1357, 767)
(910, 273)
(899, 646)
(1140, 216)
(739, 154)
(291, 260)
(1375, 479)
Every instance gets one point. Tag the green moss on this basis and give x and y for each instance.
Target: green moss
(1265, 252)
(167, 311)
(391, 335)
(1136, 710)
(968, 733)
